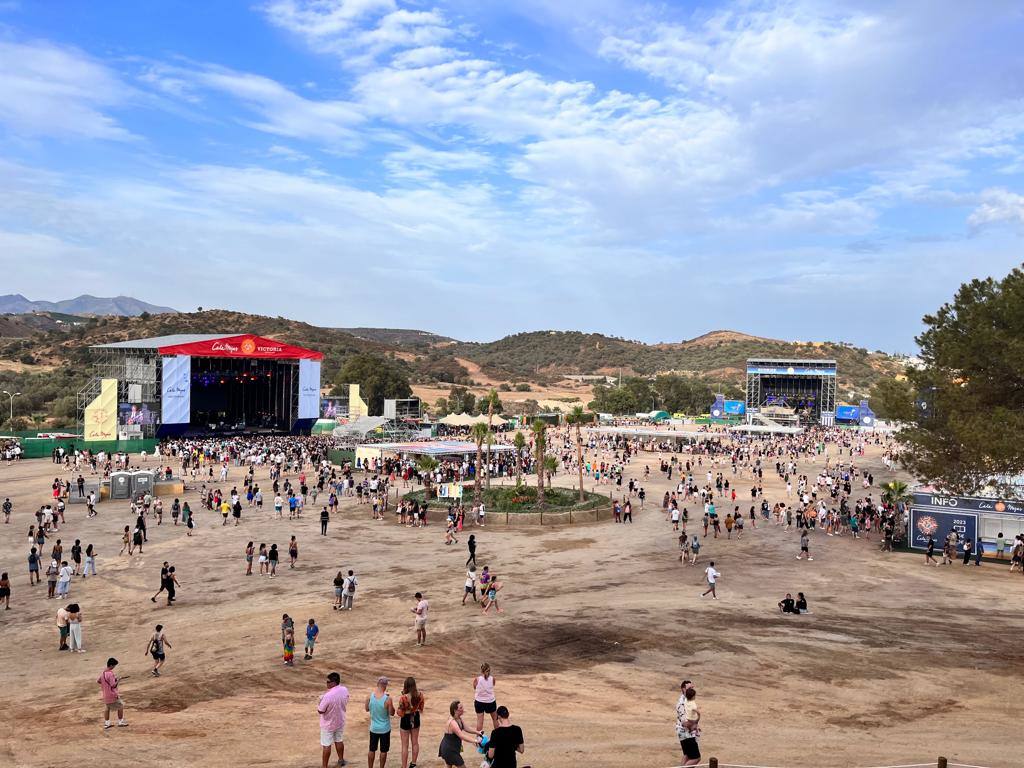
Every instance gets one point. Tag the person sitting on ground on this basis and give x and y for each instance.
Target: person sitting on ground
(788, 604)
(801, 603)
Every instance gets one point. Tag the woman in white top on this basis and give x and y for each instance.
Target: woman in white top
(483, 697)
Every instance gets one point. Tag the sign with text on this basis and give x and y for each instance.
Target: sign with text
(938, 525)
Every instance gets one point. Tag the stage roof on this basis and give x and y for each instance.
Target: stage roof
(244, 345)
(434, 447)
(155, 342)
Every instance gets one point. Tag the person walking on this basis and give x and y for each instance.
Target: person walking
(272, 557)
(410, 707)
(381, 710)
(155, 648)
(968, 545)
(484, 700)
(108, 682)
(293, 552)
(5, 590)
(332, 708)
(505, 742)
(325, 517)
(348, 590)
(470, 584)
(163, 581)
(712, 577)
(471, 546)
(90, 562)
(805, 544)
(64, 579)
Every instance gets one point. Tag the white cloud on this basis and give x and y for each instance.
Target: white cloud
(46, 90)
(998, 206)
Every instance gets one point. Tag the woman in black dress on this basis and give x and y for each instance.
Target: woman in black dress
(454, 734)
(471, 544)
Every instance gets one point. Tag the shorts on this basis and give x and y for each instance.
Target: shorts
(329, 738)
(410, 721)
(118, 702)
(691, 750)
(63, 632)
(381, 741)
(470, 590)
(421, 623)
(158, 656)
(337, 591)
(481, 707)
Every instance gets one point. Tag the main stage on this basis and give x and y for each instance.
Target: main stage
(192, 384)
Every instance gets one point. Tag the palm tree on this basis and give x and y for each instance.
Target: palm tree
(550, 465)
(493, 401)
(480, 432)
(896, 493)
(426, 466)
(539, 440)
(576, 417)
(519, 441)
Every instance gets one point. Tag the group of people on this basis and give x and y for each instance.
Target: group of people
(500, 748)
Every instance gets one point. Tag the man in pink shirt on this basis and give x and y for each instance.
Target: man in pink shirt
(111, 696)
(332, 707)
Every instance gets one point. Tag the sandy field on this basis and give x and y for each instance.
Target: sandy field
(897, 664)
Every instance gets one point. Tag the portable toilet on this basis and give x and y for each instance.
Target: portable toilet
(142, 482)
(120, 485)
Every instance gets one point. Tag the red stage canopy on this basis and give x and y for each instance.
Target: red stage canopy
(242, 346)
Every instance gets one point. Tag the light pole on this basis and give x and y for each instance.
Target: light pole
(12, 395)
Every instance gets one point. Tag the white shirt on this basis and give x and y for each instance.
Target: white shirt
(712, 574)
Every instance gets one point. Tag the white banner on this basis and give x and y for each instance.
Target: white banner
(309, 389)
(176, 398)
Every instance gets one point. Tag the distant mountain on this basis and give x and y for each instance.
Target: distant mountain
(399, 337)
(123, 306)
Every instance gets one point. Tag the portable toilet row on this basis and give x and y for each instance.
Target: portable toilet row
(128, 485)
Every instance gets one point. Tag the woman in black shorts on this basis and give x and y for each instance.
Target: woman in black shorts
(410, 705)
(484, 701)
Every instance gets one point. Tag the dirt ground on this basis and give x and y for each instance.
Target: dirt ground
(897, 664)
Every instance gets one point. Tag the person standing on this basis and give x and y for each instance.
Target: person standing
(172, 586)
(62, 628)
(929, 555)
(455, 733)
(420, 623)
(108, 682)
(688, 725)
(410, 707)
(506, 742)
(272, 557)
(484, 700)
(155, 648)
(249, 552)
(75, 628)
(325, 517)
(331, 708)
(968, 545)
(712, 577)
(339, 590)
(5, 591)
(312, 632)
(381, 710)
(33, 568)
(293, 551)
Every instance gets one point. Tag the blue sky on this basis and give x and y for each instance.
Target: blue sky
(802, 170)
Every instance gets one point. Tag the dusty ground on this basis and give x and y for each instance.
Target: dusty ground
(898, 663)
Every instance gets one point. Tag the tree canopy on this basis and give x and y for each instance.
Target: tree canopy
(378, 378)
(972, 385)
(669, 392)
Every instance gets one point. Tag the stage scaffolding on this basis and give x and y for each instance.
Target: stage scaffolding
(803, 385)
(138, 381)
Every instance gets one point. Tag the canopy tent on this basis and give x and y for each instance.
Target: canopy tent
(465, 420)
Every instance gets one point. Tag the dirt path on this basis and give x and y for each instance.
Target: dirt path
(897, 663)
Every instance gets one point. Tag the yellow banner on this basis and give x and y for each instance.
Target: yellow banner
(101, 413)
(357, 407)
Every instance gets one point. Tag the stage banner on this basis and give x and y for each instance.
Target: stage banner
(930, 522)
(735, 407)
(847, 413)
(101, 414)
(449, 491)
(247, 345)
(717, 410)
(176, 398)
(309, 389)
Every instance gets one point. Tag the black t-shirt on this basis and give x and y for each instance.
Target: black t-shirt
(504, 741)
